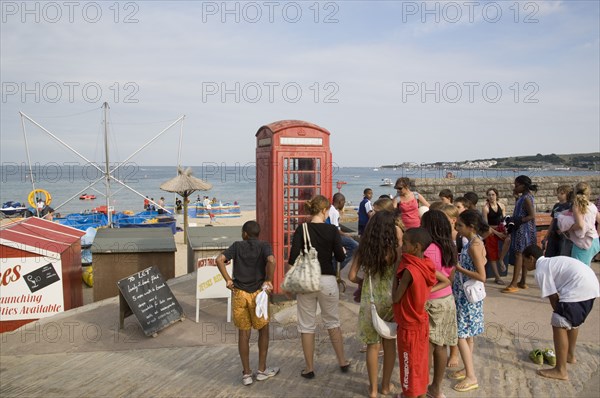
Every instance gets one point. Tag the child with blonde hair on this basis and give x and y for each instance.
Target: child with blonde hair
(583, 233)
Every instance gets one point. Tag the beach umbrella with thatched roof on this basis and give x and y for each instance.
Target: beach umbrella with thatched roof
(184, 185)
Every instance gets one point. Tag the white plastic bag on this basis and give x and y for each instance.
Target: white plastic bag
(262, 304)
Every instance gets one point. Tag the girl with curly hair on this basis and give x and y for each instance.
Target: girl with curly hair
(377, 257)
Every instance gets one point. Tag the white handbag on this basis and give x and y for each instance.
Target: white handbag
(474, 290)
(385, 329)
(305, 275)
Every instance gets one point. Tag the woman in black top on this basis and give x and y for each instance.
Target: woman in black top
(325, 238)
(493, 213)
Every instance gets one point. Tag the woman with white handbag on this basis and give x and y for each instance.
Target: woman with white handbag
(469, 315)
(377, 256)
(325, 238)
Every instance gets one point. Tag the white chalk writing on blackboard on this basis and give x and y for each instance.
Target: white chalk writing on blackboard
(150, 300)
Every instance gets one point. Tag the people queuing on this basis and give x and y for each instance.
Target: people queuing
(584, 233)
(408, 202)
(555, 243)
(522, 230)
(376, 257)
(325, 238)
(440, 306)
(494, 213)
(416, 266)
(350, 245)
(469, 315)
(253, 269)
(365, 210)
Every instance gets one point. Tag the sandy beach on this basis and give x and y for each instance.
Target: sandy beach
(181, 254)
(246, 215)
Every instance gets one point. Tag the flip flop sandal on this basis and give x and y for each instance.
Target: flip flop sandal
(537, 357)
(466, 388)
(457, 375)
(509, 289)
(549, 356)
(522, 286)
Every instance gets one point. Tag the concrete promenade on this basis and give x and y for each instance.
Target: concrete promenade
(82, 353)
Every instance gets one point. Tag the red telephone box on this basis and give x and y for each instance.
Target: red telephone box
(293, 164)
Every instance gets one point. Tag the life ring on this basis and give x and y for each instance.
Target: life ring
(34, 194)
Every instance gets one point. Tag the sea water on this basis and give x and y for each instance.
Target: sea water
(230, 183)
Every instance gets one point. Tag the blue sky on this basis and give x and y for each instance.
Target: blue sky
(390, 81)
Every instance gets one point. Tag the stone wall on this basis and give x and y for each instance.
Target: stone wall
(545, 197)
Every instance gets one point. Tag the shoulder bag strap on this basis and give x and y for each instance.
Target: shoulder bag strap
(371, 289)
(307, 243)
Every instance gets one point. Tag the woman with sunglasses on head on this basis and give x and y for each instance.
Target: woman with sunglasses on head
(408, 203)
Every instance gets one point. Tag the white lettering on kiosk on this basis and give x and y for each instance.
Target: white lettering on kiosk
(301, 141)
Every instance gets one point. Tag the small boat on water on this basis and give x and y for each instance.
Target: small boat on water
(386, 182)
(85, 196)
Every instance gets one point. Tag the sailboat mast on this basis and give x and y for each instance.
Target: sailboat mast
(107, 172)
(37, 209)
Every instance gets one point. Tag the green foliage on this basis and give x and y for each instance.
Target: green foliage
(552, 158)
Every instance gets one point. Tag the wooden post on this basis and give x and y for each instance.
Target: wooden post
(185, 218)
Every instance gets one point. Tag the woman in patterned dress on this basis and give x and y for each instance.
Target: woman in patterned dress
(469, 316)
(523, 232)
(377, 256)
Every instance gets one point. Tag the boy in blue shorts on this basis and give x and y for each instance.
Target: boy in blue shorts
(253, 268)
(571, 288)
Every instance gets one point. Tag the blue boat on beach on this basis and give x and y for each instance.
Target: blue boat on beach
(83, 221)
(145, 219)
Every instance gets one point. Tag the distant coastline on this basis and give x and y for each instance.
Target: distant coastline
(565, 162)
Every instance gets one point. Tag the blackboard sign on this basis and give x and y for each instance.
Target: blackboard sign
(147, 296)
(41, 277)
